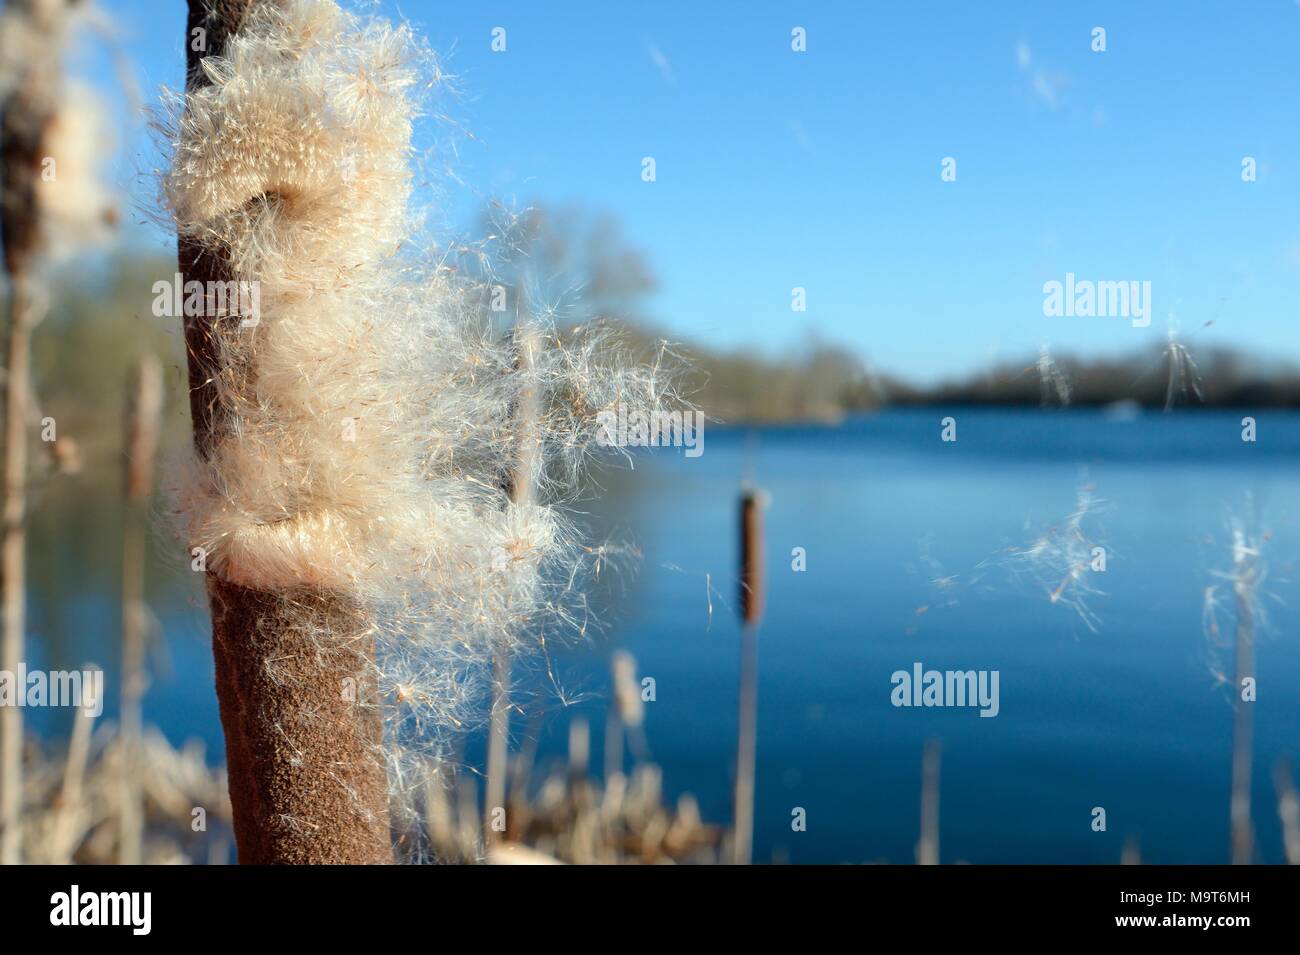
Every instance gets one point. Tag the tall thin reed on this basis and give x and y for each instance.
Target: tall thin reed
(624, 717)
(50, 203)
(498, 755)
(522, 489)
(144, 411)
(927, 847)
(613, 763)
(25, 117)
(1131, 853)
(1288, 811)
(751, 613)
(12, 563)
(579, 749)
(1245, 579)
(67, 832)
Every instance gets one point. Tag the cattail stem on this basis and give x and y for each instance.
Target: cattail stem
(579, 750)
(1242, 710)
(746, 747)
(295, 671)
(1131, 854)
(751, 604)
(13, 565)
(521, 490)
(145, 400)
(74, 773)
(1288, 811)
(613, 765)
(927, 847)
(24, 123)
(498, 743)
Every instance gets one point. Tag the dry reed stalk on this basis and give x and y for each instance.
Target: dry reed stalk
(66, 831)
(1245, 578)
(625, 715)
(570, 819)
(613, 765)
(25, 119)
(522, 490)
(1131, 854)
(515, 854)
(145, 410)
(47, 195)
(1288, 811)
(439, 816)
(73, 812)
(751, 612)
(307, 780)
(12, 564)
(579, 749)
(498, 755)
(466, 816)
(927, 847)
(78, 752)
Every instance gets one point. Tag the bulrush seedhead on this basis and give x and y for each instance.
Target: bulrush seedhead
(363, 427)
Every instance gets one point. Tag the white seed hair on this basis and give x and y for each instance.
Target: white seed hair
(365, 428)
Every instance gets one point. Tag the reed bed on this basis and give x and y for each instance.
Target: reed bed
(561, 817)
(74, 810)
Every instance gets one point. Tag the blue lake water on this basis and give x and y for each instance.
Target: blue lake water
(920, 550)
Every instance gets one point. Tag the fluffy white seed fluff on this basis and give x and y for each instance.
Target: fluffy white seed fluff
(370, 423)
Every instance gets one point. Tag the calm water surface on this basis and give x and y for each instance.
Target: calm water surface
(919, 551)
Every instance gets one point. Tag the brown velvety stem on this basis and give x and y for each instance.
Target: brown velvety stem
(295, 671)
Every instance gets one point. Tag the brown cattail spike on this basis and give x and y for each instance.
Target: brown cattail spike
(751, 557)
(752, 502)
(295, 671)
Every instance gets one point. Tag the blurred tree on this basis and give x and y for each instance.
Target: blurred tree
(567, 262)
(577, 266)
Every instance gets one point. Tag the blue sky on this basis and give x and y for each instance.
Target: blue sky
(821, 169)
